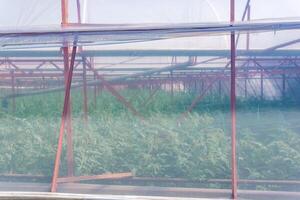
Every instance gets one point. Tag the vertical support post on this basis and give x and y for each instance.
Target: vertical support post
(65, 12)
(233, 106)
(95, 93)
(95, 86)
(283, 86)
(43, 82)
(63, 121)
(247, 48)
(149, 85)
(220, 89)
(13, 90)
(195, 85)
(261, 84)
(70, 157)
(246, 88)
(85, 103)
(17, 85)
(172, 83)
(78, 11)
(248, 35)
(202, 84)
(190, 85)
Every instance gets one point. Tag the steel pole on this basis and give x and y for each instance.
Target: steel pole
(85, 101)
(78, 11)
(220, 89)
(261, 84)
(13, 83)
(172, 84)
(283, 86)
(95, 89)
(233, 105)
(248, 34)
(70, 157)
(65, 12)
(246, 89)
(62, 125)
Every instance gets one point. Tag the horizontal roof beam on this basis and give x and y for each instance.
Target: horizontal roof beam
(154, 53)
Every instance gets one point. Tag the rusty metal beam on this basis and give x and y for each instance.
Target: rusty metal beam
(197, 100)
(63, 121)
(85, 96)
(233, 104)
(64, 12)
(116, 94)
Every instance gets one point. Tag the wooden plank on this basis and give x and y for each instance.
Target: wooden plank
(96, 177)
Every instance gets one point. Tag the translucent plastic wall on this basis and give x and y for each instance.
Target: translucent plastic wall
(267, 131)
(18, 13)
(154, 120)
(158, 129)
(152, 113)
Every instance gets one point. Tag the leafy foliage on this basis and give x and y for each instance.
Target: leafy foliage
(115, 141)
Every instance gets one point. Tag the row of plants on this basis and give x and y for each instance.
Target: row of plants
(116, 141)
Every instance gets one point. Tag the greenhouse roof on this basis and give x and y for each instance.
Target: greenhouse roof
(138, 24)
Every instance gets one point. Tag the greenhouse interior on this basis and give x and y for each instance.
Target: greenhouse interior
(160, 99)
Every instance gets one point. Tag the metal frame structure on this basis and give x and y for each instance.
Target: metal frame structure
(245, 66)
